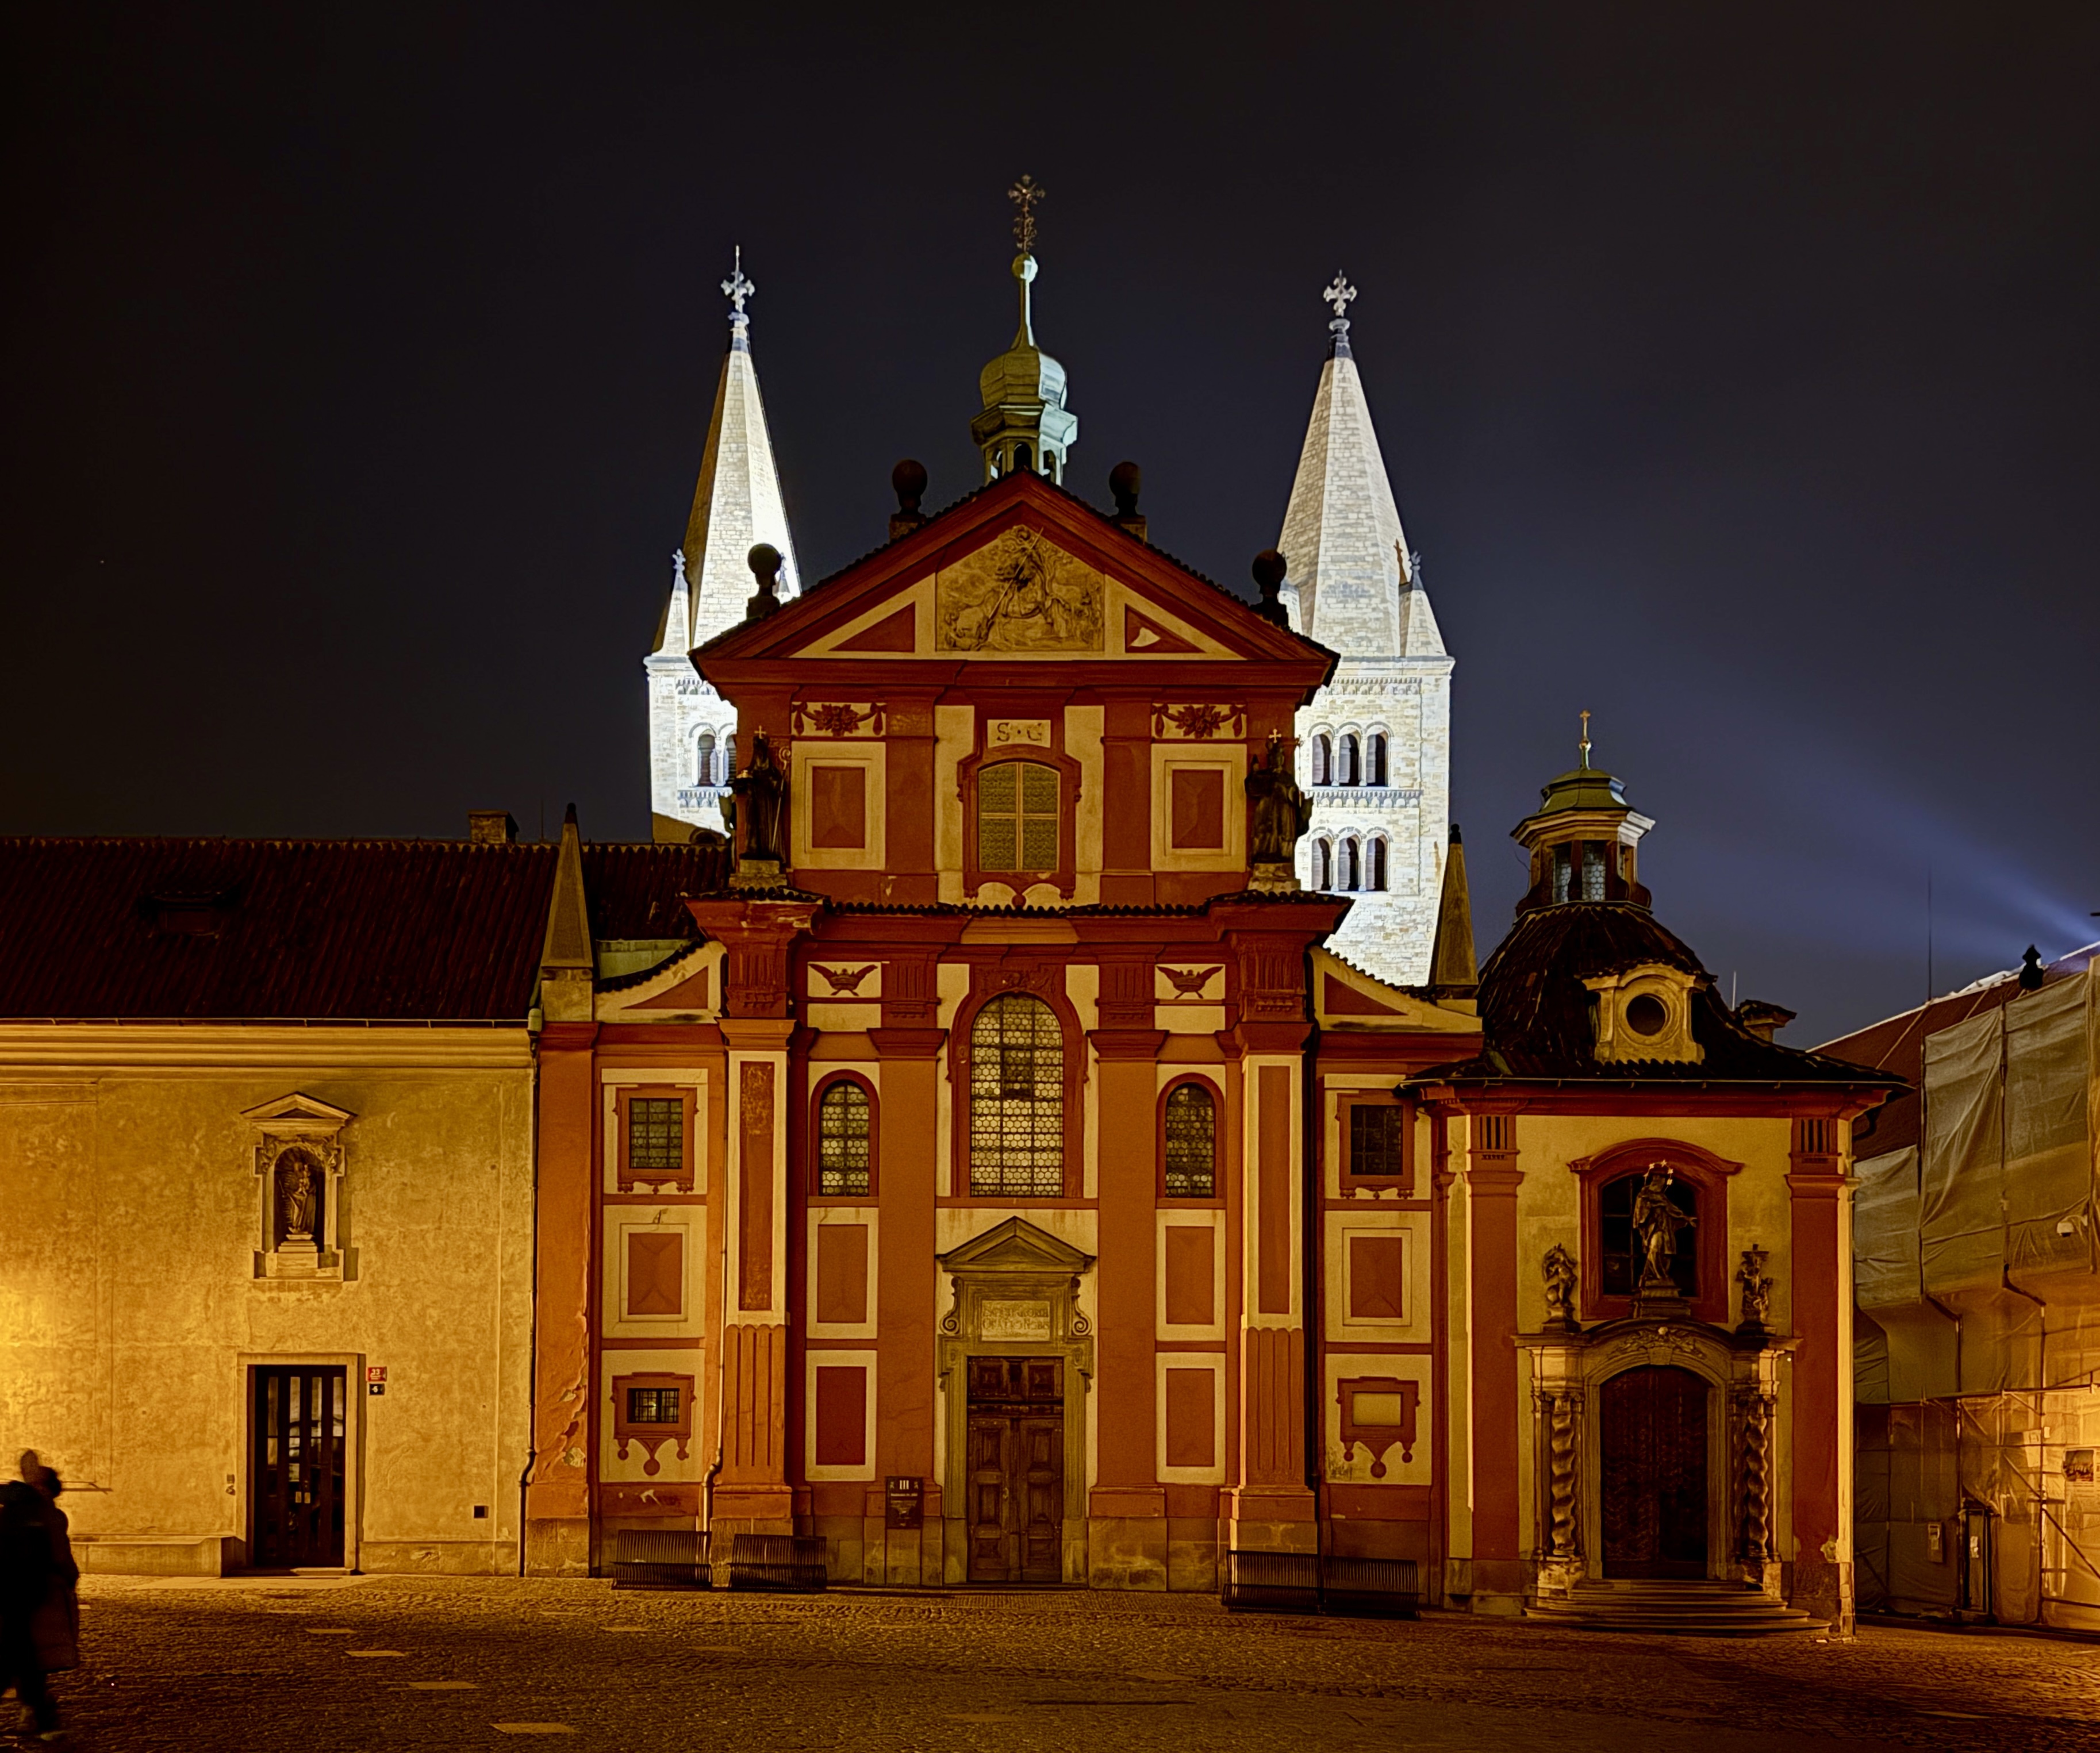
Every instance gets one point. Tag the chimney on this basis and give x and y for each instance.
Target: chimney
(1763, 1020)
(491, 827)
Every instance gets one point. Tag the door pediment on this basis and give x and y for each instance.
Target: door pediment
(1015, 1246)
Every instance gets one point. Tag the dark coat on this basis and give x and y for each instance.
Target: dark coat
(26, 1559)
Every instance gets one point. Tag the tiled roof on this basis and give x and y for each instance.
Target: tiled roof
(1535, 1009)
(430, 930)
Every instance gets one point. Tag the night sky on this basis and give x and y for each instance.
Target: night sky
(1735, 367)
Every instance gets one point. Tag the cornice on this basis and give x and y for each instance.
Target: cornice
(91, 1047)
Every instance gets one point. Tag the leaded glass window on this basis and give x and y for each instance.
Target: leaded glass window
(1192, 1143)
(1017, 816)
(652, 1406)
(655, 1134)
(842, 1140)
(1378, 1140)
(1016, 1099)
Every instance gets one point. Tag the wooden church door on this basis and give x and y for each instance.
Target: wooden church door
(1652, 1476)
(1016, 1463)
(296, 1476)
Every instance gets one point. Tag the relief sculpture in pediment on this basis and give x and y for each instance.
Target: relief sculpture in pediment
(1019, 593)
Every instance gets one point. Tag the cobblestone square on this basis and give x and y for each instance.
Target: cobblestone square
(422, 1663)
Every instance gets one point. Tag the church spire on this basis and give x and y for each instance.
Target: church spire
(736, 506)
(1024, 423)
(738, 502)
(1357, 585)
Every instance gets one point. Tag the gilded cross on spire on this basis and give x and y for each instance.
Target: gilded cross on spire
(1585, 744)
(737, 288)
(1024, 195)
(1338, 295)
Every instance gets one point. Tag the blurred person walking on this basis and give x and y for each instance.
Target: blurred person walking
(56, 1626)
(27, 1567)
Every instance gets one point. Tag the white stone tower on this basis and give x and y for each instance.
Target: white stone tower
(1375, 747)
(692, 729)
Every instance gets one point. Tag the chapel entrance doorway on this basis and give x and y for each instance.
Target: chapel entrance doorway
(295, 1473)
(1017, 1469)
(1652, 1451)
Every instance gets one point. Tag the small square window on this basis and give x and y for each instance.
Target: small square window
(655, 1134)
(652, 1406)
(1378, 1140)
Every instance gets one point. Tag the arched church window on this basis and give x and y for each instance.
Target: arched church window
(1349, 874)
(1323, 762)
(1017, 1100)
(729, 757)
(1374, 853)
(1021, 457)
(703, 758)
(844, 1139)
(1620, 1247)
(1323, 865)
(1017, 816)
(1374, 758)
(1192, 1143)
(1345, 761)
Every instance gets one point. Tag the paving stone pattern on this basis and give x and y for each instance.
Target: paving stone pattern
(493, 1663)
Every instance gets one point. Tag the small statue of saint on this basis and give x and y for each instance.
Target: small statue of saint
(1657, 1220)
(1277, 809)
(761, 796)
(295, 1196)
(1757, 1290)
(1559, 1270)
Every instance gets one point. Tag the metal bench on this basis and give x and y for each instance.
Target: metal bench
(660, 1558)
(1265, 1581)
(782, 1563)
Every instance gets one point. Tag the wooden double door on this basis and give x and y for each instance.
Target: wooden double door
(296, 1471)
(1017, 1469)
(1653, 1479)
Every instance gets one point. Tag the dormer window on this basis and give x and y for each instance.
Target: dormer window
(1644, 1013)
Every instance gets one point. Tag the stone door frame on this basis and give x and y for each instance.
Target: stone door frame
(1014, 1293)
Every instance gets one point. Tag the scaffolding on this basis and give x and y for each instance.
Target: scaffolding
(1977, 1284)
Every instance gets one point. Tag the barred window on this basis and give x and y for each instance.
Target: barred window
(655, 1134)
(1191, 1142)
(1017, 816)
(1378, 1140)
(1016, 1099)
(842, 1139)
(652, 1406)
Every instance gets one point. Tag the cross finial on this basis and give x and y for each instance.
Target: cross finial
(737, 289)
(1338, 295)
(1585, 743)
(1024, 195)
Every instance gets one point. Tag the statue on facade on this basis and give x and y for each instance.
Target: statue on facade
(762, 802)
(1559, 1270)
(295, 1200)
(1278, 812)
(1656, 1221)
(1757, 1290)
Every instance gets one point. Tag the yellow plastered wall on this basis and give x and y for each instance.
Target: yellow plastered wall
(130, 1306)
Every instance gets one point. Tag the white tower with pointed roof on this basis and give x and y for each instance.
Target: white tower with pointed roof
(1375, 747)
(738, 504)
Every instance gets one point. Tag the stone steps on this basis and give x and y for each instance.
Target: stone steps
(1701, 1610)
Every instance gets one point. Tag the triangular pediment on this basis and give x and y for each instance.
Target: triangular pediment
(295, 1115)
(1016, 1245)
(1021, 571)
(1346, 997)
(683, 990)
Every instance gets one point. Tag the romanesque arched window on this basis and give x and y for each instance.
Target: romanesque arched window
(844, 1139)
(1191, 1142)
(1374, 853)
(1351, 873)
(1374, 758)
(1346, 772)
(1323, 759)
(1323, 865)
(1017, 1100)
(703, 758)
(729, 757)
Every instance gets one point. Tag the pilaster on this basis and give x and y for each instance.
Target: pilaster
(1492, 1180)
(1820, 1391)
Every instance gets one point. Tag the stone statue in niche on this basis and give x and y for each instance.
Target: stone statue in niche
(762, 800)
(298, 1179)
(1757, 1290)
(1559, 1270)
(1656, 1221)
(1277, 812)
